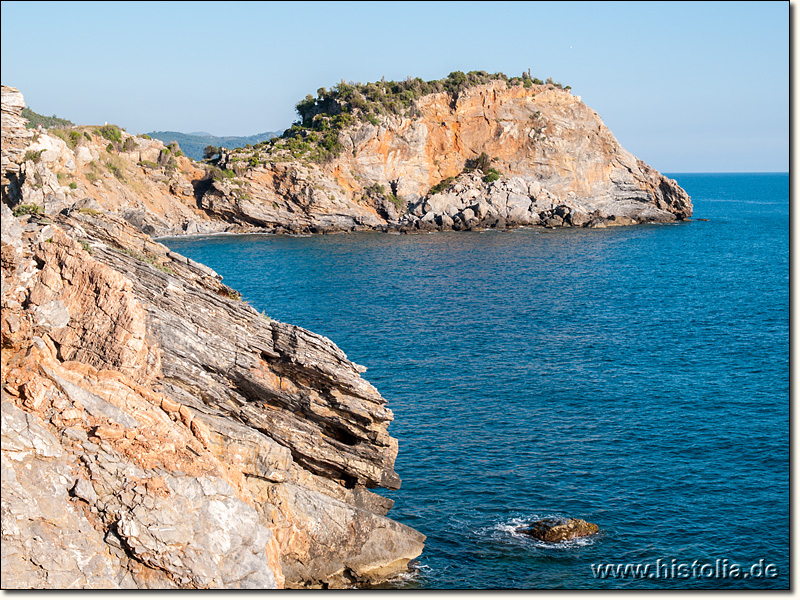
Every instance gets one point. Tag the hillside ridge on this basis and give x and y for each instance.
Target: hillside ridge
(470, 151)
(194, 144)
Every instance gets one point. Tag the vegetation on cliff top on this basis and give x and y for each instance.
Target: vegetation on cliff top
(194, 144)
(322, 118)
(315, 136)
(35, 119)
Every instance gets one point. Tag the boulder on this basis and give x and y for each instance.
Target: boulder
(558, 530)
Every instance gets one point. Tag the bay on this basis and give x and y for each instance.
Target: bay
(636, 377)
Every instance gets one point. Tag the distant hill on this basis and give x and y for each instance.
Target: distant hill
(193, 144)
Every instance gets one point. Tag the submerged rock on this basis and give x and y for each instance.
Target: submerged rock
(558, 530)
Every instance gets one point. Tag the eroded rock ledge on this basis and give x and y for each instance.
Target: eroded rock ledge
(158, 432)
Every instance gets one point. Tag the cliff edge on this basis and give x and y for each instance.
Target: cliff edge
(485, 152)
(469, 151)
(158, 432)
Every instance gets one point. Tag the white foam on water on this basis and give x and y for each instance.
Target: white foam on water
(414, 574)
(508, 530)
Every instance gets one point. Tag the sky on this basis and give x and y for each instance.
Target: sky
(685, 86)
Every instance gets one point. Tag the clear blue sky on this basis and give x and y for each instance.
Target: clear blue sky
(685, 86)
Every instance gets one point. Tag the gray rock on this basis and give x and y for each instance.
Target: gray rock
(84, 490)
(93, 404)
(10, 228)
(52, 314)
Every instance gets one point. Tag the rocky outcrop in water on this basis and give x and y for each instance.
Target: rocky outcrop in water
(559, 530)
(158, 432)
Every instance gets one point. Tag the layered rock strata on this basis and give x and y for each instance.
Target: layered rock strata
(556, 164)
(158, 432)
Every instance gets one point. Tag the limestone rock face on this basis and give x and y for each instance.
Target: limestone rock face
(559, 165)
(188, 402)
(157, 432)
(559, 530)
(15, 138)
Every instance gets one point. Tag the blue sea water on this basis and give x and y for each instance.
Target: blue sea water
(636, 377)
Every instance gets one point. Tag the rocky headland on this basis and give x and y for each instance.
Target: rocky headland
(157, 431)
(467, 152)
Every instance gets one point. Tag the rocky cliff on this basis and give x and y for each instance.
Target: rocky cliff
(489, 155)
(493, 154)
(157, 431)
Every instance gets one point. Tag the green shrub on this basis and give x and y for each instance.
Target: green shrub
(35, 119)
(111, 132)
(145, 137)
(87, 136)
(129, 145)
(492, 175)
(89, 211)
(376, 189)
(482, 162)
(27, 209)
(398, 202)
(73, 185)
(441, 186)
(218, 174)
(33, 155)
(110, 147)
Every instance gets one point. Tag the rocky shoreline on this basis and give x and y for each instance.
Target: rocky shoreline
(139, 389)
(158, 432)
(496, 156)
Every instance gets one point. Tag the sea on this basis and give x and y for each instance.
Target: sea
(635, 377)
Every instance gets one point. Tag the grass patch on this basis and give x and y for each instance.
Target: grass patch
(27, 209)
(115, 169)
(230, 293)
(149, 259)
(33, 155)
